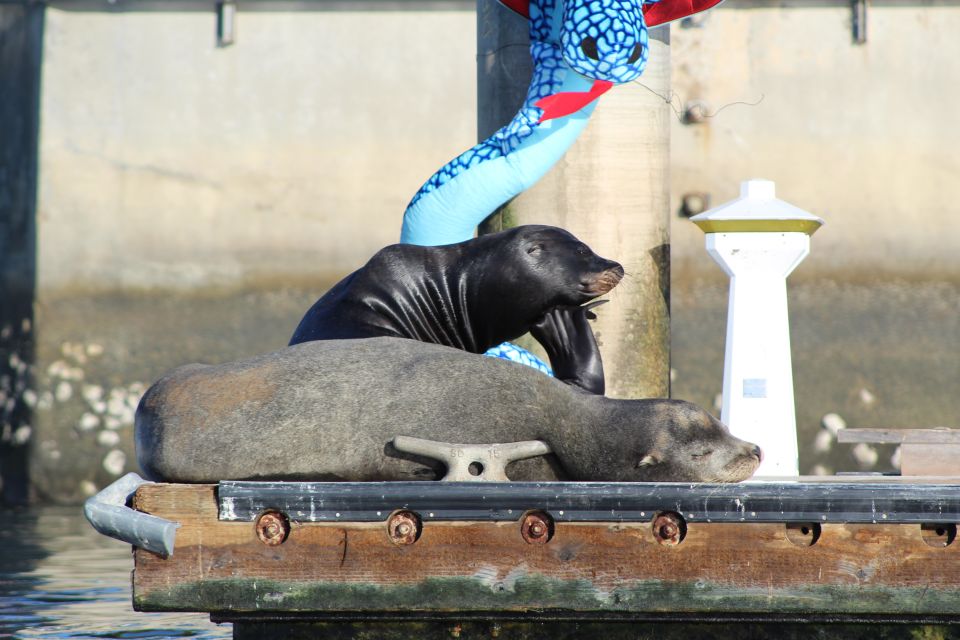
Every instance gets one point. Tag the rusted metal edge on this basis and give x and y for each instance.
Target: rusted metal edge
(854, 502)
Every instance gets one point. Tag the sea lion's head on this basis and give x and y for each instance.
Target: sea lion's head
(569, 272)
(680, 442)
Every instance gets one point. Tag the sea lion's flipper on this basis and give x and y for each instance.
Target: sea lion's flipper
(566, 335)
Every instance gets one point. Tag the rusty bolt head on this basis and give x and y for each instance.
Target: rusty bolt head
(669, 528)
(536, 527)
(273, 528)
(403, 527)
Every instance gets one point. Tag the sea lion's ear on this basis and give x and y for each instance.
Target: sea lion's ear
(649, 460)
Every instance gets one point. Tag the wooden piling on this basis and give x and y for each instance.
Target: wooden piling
(611, 190)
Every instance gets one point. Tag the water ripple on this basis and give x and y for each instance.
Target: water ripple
(61, 579)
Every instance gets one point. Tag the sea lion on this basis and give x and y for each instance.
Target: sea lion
(475, 295)
(328, 410)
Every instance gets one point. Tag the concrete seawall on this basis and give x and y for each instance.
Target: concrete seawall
(859, 134)
(167, 161)
(164, 200)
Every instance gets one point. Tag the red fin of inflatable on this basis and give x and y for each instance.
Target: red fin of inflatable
(669, 10)
(567, 102)
(519, 6)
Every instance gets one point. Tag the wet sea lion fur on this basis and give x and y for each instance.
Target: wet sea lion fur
(475, 295)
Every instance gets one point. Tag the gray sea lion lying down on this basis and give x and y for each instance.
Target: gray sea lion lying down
(328, 410)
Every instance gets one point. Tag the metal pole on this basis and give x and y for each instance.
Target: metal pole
(611, 190)
(21, 52)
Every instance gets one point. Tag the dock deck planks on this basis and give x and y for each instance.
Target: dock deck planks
(589, 569)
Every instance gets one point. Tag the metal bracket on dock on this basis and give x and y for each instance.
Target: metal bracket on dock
(836, 501)
(109, 514)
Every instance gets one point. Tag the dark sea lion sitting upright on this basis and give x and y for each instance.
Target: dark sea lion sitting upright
(329, 410)
(475, 295)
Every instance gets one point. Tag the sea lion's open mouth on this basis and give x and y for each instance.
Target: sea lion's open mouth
(602, 282)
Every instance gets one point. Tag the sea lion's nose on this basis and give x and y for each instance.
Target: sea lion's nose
(757, 453)
(612, 270)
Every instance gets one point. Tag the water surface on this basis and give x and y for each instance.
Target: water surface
(61, 579)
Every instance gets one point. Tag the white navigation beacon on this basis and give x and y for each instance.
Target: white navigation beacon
(758, 241)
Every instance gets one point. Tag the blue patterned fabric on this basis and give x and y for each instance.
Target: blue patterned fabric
(572, 43)
(606, 40)
(510, 351)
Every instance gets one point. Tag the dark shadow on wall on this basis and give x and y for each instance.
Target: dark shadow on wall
(21, 42)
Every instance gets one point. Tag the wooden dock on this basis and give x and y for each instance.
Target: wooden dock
(849, 549)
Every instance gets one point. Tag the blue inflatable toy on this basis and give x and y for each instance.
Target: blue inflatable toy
(580, 49)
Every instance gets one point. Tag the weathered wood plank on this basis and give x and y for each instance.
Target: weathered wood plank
(940, 435)
(595, 568)
(923, 452)
(919, 458)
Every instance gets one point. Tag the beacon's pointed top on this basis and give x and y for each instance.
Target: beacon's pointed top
(757, 188)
